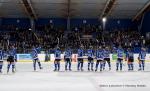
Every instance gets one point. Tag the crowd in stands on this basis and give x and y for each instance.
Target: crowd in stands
(48, 37)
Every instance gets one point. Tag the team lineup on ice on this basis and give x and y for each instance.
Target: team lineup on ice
(124, 74)
(102, 56)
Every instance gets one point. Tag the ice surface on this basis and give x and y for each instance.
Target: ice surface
(25, 79)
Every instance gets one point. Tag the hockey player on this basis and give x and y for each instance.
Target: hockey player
(35, 52)
(130, 59)
(120, 53)
(142, 56)
(68, 55)
(11, 59)
(1, 59)
(99, 58)
(90, 53)
(57, 59)
(107, 58)
(80, 59)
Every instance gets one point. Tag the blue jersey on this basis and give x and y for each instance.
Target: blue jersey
(114, 50)
(38, 49)
(57, 54)
(34, 53)
(120, 53)
(80, 52)
(106, 53)
(12, 52)
(142, 55)
(90, 53)
(99, 54)
(130, 55)
(1, 55)
(68, 53)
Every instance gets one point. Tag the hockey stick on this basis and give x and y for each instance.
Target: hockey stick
(35, 35)
(79, 40)
(57, 42)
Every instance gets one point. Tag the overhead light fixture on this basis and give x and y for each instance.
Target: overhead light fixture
(84, 22)
(50, 21)
(18, 21)
(30, 29)
(104, 19)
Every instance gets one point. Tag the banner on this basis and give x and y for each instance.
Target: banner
(24, 57)
(28, 57)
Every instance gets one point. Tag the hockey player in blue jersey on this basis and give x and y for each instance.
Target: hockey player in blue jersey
(11, 59)
(99, 58)
(68, 56)
(107, 58)
(80, 59)
(142, 56)
(130, 59)
(90, 54)
(57, 59)
(114, 50)
(120, 56)
(35, 52)
(1, 59)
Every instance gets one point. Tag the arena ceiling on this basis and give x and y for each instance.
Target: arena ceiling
(71, 8)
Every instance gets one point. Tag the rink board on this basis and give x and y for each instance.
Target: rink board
(28, 58)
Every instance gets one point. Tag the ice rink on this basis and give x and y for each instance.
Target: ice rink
(25, 79)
